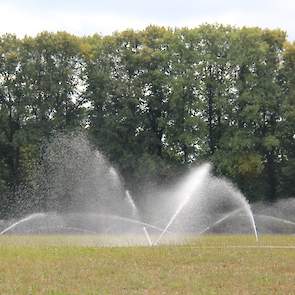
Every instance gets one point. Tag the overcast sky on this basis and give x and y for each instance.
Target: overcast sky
(84, 17)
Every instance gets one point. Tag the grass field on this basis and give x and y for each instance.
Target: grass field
(208, 265)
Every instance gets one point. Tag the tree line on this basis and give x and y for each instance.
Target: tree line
(154, 102)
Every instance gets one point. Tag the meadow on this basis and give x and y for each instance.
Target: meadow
(212, 264)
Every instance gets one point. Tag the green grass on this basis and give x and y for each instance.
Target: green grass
(208, 265)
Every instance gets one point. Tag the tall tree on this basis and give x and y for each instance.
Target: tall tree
(287, 122)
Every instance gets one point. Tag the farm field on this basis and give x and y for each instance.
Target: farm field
(212, 264)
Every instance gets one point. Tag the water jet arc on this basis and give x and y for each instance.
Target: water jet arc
(190, 186)
(250, 215)
(27, 218)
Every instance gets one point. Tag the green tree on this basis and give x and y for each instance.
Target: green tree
(287, 122)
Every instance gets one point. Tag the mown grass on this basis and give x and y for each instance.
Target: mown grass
(208, 265)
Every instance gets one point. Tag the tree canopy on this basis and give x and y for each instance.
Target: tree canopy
(154, 102)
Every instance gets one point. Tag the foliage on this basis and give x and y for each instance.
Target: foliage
(155, 102)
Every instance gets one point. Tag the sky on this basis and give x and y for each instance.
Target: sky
(86, 17)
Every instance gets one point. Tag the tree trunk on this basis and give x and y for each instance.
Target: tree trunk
(271, 176)
(210, 94)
